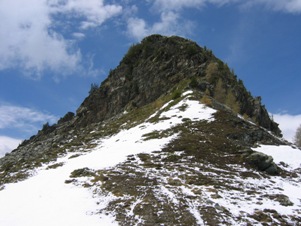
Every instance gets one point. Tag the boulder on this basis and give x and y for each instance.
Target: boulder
(262, 162)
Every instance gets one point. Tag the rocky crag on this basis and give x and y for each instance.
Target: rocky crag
(153, 77)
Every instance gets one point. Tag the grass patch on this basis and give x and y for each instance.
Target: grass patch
(83, 172)
(54, 166)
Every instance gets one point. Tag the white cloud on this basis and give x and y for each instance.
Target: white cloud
(172, 21)
(170, 24)
(95, 12)
(167, 5)
(177, 5)
(137, 28)
(22, 118)
(30, 40)
(32, 31)
(288, 6)
(79, 35)
(288, 124)
(7, 144)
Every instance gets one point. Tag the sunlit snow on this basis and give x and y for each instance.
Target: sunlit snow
(286, 154)
(44, 199)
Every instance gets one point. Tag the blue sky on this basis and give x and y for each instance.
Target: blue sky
(51, 51)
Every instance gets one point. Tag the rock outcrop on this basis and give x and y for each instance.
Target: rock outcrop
(182, 136)
(156, 67)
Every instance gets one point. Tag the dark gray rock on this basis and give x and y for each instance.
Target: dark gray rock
(262, 162)
(156, 65)
(69, 116)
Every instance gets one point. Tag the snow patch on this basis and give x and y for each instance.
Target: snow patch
(45, 198)
(190, 109)
(283, 153)
(187, 93)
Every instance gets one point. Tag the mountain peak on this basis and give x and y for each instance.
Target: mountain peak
(171, 137)
(157, 65)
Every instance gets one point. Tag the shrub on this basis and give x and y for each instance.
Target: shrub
(93, 88)
(232, 102)
(211, 72)
(297, 138)
(132, 53)
(220, 92)
(194, 83)
(177, 94)
(192, 49)
(206, 100)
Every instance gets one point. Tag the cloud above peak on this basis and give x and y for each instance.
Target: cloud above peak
(30, 40)
(92, 13)
(177, 5)
(39, 36)
(170, 23)
(173, 22)
(287, 6)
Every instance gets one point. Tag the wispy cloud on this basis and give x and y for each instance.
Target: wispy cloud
(31, 40)
(287, 6)
(8, 144)
(169, 24)
(91, 13)
(24, 119)
(177, 5)
(170, 20)
(171, 14)
(42, 35)
(288, 124)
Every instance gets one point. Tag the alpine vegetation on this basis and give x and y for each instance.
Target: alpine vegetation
(171, 137)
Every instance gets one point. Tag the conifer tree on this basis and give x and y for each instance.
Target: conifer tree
(297, 139)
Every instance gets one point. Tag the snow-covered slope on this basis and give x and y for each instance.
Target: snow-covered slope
(45, 198)
(82, 188)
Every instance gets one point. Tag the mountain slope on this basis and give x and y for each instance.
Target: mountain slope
(170, 138)
(157, 64)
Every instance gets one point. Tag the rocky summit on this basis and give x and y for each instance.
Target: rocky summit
(171, 137)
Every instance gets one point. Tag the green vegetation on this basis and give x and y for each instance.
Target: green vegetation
(211, 72)
(84, 172)
(206, 100)
(177, 94)
(132, 54)
(220, 91)
(192, 49)
(194, 83)
(93, 88)
(232, 102)
(56, 165)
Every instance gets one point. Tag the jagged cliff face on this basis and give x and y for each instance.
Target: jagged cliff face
(171, 137)
(153, 67)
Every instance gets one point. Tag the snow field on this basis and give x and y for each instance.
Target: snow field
(45, 198)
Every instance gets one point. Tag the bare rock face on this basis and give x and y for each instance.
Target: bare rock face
(154, 68)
